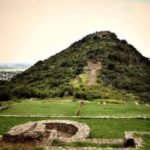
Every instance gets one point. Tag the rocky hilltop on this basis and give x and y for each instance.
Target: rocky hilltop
(123, 72)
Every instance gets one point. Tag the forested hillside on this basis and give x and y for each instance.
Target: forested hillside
(125, 73)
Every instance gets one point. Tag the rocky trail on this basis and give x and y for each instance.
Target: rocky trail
(92, 68)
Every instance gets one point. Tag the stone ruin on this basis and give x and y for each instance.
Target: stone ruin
(44, 132)
(129, 140)
(133, 141)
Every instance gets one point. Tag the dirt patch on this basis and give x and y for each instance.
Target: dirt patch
(63, 130)
(92, 68)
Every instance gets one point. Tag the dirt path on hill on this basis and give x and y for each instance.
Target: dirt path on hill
(92, 69)
(92, 77)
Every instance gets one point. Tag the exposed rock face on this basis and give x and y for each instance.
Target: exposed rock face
(44, 132)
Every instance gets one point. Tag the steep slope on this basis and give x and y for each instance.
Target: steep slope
(123, 68)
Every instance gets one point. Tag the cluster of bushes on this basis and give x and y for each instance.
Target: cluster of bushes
(27, 92)
(91, 93)
(133, 79)
(100, 91)
(64, 90)
(5, 93)
(20, 92)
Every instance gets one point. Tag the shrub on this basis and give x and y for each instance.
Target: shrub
(111, 66)
(27, 92)
(80, 95)
(65, 63)
(40, 62)
(5, 93)
(145, 96)
(23, 92)
(78, 71)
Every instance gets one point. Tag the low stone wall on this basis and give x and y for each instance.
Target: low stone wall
(4, 107)
(80, 131)
(80, 117)
(131, 139)
(84, 148)
(103, 141)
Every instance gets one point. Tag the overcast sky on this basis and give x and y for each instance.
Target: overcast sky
(31, 30)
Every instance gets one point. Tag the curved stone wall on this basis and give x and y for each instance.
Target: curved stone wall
(47, 130)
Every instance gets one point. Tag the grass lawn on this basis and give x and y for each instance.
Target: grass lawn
(68, 108)
(42, 108)
(129, 109)
(100, 128)
(146, 139)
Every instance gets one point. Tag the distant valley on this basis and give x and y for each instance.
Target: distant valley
(8, 70)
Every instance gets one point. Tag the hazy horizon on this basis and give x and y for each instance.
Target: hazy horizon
(34, 30)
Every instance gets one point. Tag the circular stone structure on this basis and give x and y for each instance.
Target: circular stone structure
(46, 131)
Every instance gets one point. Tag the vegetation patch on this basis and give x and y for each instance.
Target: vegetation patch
(146, 139)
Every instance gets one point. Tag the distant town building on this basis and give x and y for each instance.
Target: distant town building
(8, 75)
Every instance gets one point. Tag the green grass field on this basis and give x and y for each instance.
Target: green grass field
(42, 108)
(100, 128)
(68, 108)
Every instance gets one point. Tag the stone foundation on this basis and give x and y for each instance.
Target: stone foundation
(130, 140)
(44, 132)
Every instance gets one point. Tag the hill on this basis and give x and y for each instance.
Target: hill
(99, 66)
